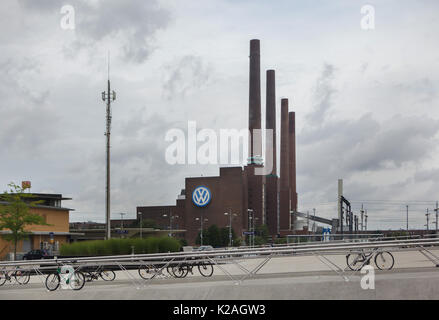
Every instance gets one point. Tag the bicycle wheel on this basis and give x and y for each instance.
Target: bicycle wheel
(2, 278)
(52, 281)
(146, 272)
(107, 275)
(180, 271)
(354, 261)
(77, 281)
(169, 270)
(88, 276)
(384, 260)
(206, 269)
(22, 277)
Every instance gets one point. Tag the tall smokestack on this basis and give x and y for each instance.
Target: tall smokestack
(255, 181)
(270, 123)
(284, 188)
(271, 180)
(255, 151)
(292, 161)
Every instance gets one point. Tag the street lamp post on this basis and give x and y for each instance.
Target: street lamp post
(252, 219)
(141, 224)
(230, 226)
(436, 222)
(164, 216)
(121, 223)
(253, 229)
(428, 220)
(170, 222)
(314, 222)
(201, 232)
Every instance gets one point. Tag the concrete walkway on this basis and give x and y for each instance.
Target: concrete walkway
(299, 277)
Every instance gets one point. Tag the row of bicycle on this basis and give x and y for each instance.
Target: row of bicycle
(76, 278)
(384, 260)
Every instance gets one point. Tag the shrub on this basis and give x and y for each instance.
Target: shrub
(152, 245)
(280, 240)
(169, 244)
(183, 242)
(120, 246)
(260, 240)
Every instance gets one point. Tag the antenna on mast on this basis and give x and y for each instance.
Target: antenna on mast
(108, 97)
(108, 60)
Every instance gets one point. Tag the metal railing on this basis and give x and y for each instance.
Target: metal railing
(220, 257)
(291, 249)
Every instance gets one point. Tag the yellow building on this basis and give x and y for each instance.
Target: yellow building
(42, 237)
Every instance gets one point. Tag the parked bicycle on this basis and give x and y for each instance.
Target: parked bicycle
(20, 276)
(76, 281)
(183, 269)
(383, 259)
(106, 275)
(177, 270)
(148, 271)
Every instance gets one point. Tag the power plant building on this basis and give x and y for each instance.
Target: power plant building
(267, 199)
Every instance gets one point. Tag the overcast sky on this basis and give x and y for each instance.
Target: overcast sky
(365, 100)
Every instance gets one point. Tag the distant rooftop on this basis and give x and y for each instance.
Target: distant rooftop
(43, 196)
(48, 200)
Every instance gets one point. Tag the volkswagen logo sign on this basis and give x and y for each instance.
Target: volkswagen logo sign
(201, 196)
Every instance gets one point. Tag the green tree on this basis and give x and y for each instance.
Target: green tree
(262, 231)
(183, 242)
(206, 237)
(214, 236)
(261, 234)
(15, 215)
(237, 242)
(225, 237)
(217, 237)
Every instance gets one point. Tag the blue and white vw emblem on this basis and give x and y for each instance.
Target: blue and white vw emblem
(201, 196)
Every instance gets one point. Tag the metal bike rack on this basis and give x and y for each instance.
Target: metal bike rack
(157, 272)
(429, 255)
(219, 258)
(333, 266)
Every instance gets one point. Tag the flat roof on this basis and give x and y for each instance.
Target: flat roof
(46, 233)
(39, 206)
(55, 196)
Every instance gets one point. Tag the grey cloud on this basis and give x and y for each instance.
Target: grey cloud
(360, 156)
(427, 175)
(131, 26)
(41, 5)
(329, 149)
(116, 18)
(185, 74)
(365, 145)
(322, 95)
(400, 140)
(21, 98)
(341, 130)
(138, 168)
(363, 67)
(423, 89)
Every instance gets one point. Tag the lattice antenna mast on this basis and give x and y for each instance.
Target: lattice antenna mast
(108, 97)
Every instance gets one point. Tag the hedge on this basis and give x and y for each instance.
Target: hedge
(120, 246)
